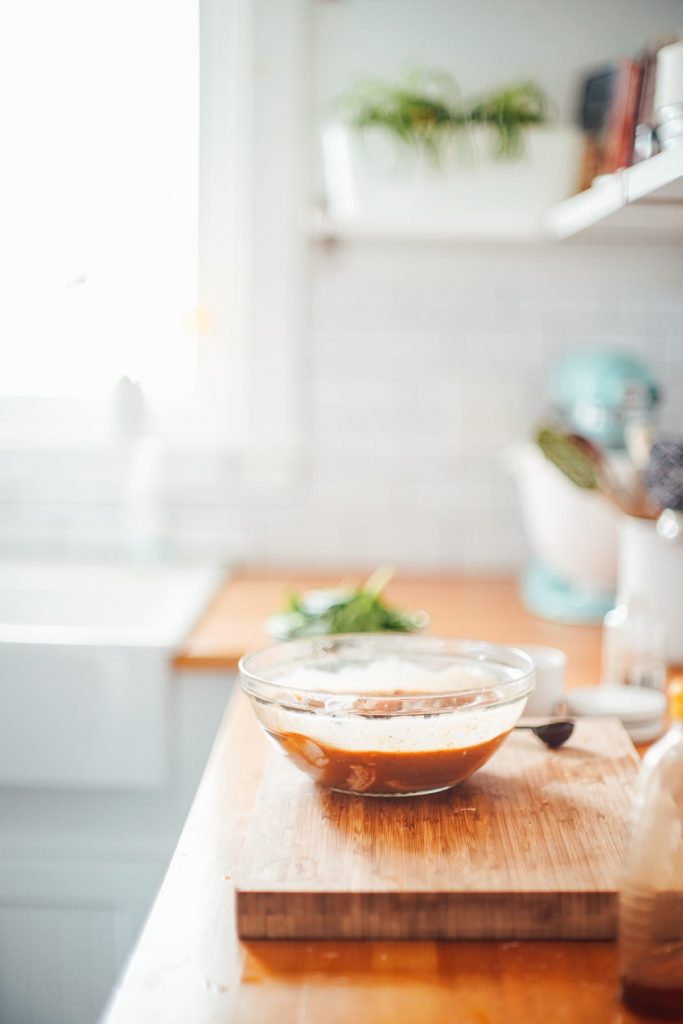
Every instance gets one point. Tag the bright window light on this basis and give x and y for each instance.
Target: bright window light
(99, 120)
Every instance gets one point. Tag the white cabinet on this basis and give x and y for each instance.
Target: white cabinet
(60, 951)
(78, 715)
(79, 867)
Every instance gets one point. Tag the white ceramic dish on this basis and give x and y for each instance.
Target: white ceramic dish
(551, 668)
(639, 710)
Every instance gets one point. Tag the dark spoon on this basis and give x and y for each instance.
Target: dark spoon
(553, 734)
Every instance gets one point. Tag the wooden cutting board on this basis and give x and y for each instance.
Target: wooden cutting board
(529, 847)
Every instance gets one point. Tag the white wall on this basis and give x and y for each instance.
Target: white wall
(482, 45)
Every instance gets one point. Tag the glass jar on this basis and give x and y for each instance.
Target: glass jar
(634, 646)
(651, 898)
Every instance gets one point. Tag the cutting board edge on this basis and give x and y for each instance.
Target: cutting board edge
(570, 915)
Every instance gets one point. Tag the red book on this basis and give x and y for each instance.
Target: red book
(617, 148)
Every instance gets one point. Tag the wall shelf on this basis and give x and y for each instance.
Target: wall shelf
(328, 230)
(643, 202)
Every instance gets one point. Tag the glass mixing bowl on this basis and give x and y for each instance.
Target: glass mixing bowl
(388, 714)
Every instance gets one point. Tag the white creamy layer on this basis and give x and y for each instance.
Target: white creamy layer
(388, 675)
(448, 730)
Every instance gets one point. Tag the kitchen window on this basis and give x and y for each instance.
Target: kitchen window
(100, 127)
(127, 203)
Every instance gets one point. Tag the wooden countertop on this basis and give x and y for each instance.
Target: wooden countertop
(485, 609)
(190, 968)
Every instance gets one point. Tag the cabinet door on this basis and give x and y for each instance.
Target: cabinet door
(58, 964)
(65, 932)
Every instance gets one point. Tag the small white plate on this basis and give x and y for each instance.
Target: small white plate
(640, 710)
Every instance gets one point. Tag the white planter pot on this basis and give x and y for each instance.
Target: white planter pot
(651, 569)
(375, 182)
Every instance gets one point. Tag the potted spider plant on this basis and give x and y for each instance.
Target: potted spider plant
(418, 154)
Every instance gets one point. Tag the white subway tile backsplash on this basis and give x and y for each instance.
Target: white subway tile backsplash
(420, 364)
(674, 345)
(466, 335)
(672, 406)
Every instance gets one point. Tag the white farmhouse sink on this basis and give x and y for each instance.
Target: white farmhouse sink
(85, 669)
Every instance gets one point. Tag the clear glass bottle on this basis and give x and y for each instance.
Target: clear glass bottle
(633, 645)
(651, 899)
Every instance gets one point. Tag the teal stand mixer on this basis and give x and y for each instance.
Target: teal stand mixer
(572, 533)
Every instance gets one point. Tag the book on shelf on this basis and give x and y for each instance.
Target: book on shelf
(610, 101)
(621, 116)
(617, 114)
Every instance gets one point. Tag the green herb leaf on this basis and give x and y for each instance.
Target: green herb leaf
(335, 611)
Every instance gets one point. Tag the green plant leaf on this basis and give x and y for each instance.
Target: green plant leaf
(426, 112)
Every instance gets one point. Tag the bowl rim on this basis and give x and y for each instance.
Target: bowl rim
(505, 691)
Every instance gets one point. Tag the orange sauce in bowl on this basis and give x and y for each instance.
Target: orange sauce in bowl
(382, 772)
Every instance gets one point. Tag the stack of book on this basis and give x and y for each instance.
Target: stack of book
(616, 113)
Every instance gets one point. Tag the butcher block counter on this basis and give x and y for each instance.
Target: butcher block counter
(189, 966)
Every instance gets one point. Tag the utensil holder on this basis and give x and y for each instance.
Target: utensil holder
(651, 569)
